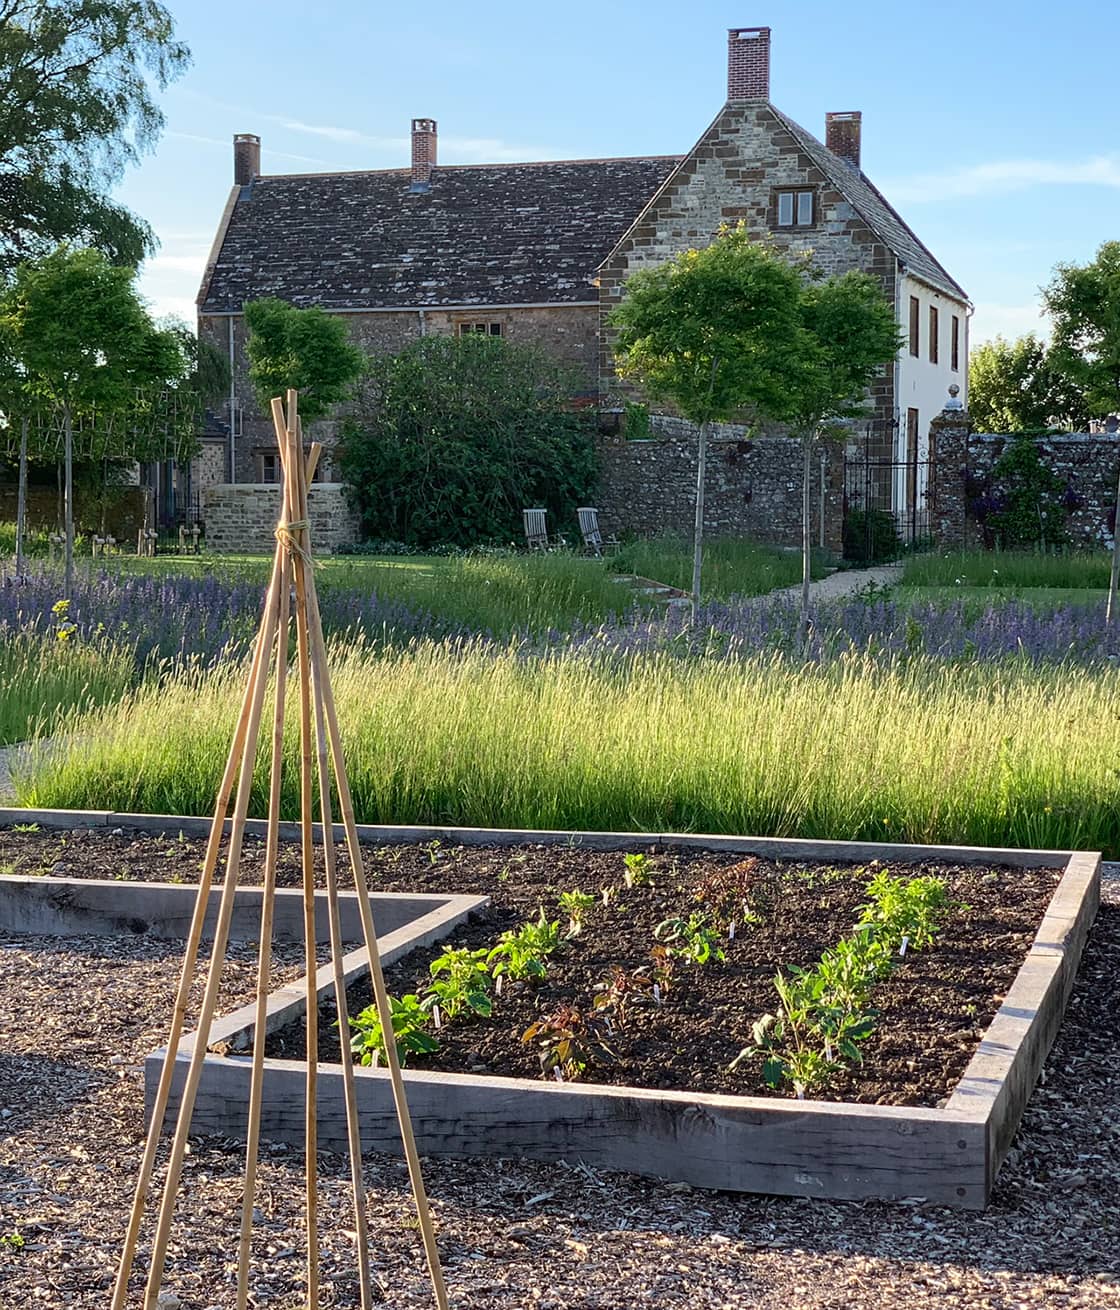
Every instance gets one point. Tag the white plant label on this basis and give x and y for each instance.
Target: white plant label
(905, 943)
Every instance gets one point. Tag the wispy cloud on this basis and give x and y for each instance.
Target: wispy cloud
(228, 145)
(452, 149)
(1001, 176)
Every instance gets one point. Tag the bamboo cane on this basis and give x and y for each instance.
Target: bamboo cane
(287, 434)
(217, 958)
(353, 1126)
(190, 957)
(267, 910)
(381, 999)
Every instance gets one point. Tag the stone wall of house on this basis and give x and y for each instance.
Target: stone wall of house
(567, 332)
(731, 176)
(243, 517)
(124, 510)
(752, 488)
(1086, 462)
(208, 467)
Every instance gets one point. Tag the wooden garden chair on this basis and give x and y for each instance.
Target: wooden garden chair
(593, 541)
(536, 532)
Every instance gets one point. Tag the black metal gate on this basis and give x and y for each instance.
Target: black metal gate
(888, 501)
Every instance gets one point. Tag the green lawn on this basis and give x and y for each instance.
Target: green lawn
(977, 599)
(732, 566)
(1004, 570)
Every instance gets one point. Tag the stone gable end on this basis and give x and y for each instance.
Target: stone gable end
(729, 176)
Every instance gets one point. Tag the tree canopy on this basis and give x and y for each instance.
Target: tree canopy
(76, 106)
(1015, 386)
(303, 348)
(453, 437)
(713, 331)
(83, 344)
(83, 336)
(1083, 301)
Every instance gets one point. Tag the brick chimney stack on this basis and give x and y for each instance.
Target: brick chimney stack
(246, 158)
(748, 63)
(423, 152)
(841, 135)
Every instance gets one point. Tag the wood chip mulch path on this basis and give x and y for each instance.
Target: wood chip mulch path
(78, 1016)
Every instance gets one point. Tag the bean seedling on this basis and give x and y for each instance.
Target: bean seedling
(461, 982)
(409, 1020)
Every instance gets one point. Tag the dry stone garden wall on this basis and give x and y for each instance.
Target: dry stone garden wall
(1087, 462)
(752, 488)
(243, 517)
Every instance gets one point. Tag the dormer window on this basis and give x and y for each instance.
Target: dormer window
(796, 207)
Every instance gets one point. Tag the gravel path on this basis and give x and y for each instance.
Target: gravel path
(844, 582)
(79, 1015)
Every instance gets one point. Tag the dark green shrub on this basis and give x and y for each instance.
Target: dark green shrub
(871, 536)
(454, 437)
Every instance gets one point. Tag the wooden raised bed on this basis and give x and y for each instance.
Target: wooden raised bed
(949, 1156)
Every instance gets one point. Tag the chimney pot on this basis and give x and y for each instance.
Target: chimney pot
(423, 152)
(842, 135)
(748, 63)
(246, 158)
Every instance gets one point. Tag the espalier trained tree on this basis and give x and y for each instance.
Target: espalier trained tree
(84, 342)
(76, 107)
(714, 332)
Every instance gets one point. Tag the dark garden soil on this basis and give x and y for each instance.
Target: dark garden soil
(932, 1009)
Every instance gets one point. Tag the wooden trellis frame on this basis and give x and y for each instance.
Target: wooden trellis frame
(320, 744)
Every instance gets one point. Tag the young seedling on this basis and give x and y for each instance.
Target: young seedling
(575, 905)
(521, 953)
(461, 983)
(408, 1019)
(568, 1041)
(691, 939)
(637, 870)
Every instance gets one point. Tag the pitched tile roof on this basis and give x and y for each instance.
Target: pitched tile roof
(482, 235)
(872, 206)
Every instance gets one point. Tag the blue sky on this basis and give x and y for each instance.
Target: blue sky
(992, 126)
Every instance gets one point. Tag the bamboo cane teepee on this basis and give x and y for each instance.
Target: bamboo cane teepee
(320, 748)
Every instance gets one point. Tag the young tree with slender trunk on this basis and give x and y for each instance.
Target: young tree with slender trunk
(847, 334)
(85, 343)
(714, 333)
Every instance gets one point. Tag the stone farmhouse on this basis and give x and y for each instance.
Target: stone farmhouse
(541, 252)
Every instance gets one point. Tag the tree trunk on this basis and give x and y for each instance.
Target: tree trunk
(698, 530)
(806, 540)
(21, 496)
(68, 498)
(1114, 576)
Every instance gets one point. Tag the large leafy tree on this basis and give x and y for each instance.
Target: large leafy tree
(307, 349)
(714, 332)
(1083, 301)
(84, 343)
(76, 106)
(453, 437)
(1022, 386)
